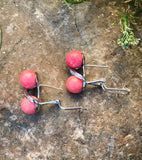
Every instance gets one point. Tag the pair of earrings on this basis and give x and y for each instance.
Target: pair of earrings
(30, 104)
(75, 83)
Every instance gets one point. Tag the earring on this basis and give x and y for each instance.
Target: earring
(77, 82)
(29, 80)
(30, 104)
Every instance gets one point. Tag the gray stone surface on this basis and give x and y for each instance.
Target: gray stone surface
(37, 35)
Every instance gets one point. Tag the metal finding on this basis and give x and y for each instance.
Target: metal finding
(43, 85)
(99, 83)
(38, 104)
(84, 65)
(106, 89)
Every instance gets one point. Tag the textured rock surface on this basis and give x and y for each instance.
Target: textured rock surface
(37, 35)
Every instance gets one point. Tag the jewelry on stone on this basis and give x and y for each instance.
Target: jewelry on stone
(77, 82)
(30, 104)
(29, 80)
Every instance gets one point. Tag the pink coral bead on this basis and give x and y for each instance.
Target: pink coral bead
(74, 84)
(74, 59)
(27, 106)
(28, 79)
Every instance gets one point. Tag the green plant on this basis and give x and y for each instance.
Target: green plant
(1, 37)
(137, 6)
(74, 2)
(125, 22)
(137, 3)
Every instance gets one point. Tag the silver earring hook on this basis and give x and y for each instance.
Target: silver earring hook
(49, 102)
(38, 104)
(43, 85)
(114, 90)
(85, 65)
(100, 82)
(106, 89)
(59, 104)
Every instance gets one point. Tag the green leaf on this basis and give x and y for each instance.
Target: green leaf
(127, 1)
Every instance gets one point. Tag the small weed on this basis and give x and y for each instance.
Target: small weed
(125, 22)
(137, 3)
(73, 2)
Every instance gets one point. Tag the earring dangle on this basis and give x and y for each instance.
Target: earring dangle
(29, 80)
(76, 60)
(77, 82)
(30, 104)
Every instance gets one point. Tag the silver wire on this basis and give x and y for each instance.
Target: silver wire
(114, 90)
(43, 85)
(97, 82)
(38, 104)
(59, 104)
(106, 89)
(78, 75)
(86, 65)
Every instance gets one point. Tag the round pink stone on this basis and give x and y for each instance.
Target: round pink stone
(27, 106)
(74, 84)
(74, 59)
(28, 79)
